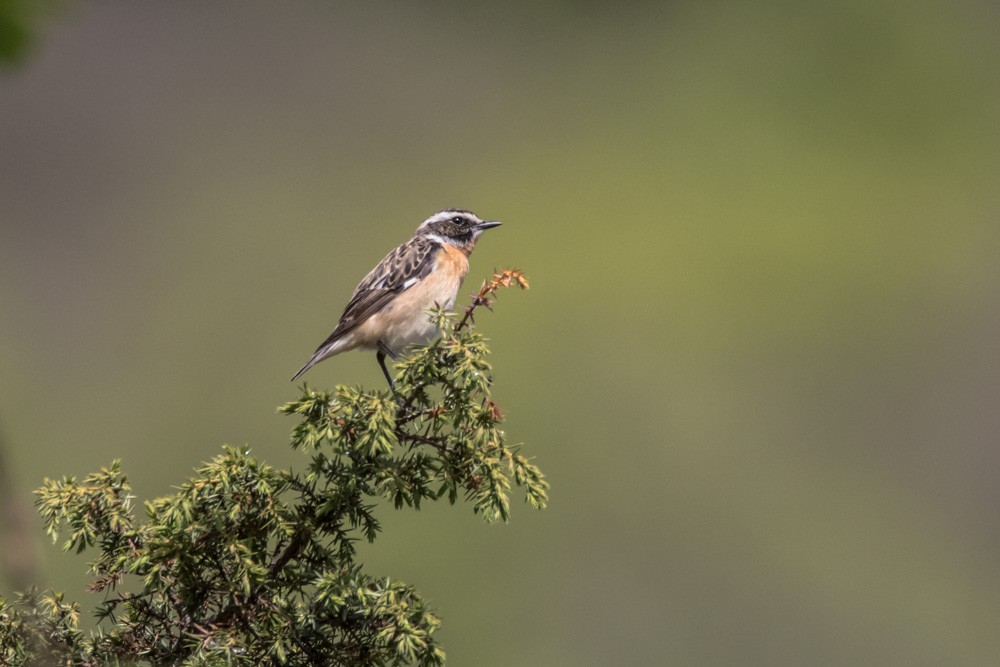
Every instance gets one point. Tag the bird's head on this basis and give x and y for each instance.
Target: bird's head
(456, 227)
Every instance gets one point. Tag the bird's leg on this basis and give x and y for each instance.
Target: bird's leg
(380, 355)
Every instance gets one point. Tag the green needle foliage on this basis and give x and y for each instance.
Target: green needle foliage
(249, 565)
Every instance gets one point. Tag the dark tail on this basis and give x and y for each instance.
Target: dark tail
(327, 349)
(309, 364)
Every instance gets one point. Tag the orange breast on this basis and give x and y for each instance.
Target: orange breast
(453, 261)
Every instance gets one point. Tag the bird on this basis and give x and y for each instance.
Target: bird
(386, 312)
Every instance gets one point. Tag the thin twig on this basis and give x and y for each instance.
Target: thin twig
(504, 278)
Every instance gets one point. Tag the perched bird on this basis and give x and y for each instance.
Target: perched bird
(387, 310)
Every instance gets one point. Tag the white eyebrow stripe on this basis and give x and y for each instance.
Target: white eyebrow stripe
(448, 214)
(440, 216)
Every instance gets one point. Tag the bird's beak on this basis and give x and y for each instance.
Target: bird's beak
(489, 224)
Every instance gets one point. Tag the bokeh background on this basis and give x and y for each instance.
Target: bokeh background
(759, 360)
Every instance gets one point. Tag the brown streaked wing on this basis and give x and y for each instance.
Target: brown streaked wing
(400, 270)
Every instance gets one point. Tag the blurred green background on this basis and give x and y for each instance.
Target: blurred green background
(759, 360)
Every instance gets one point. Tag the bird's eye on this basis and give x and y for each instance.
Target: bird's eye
(457, 220)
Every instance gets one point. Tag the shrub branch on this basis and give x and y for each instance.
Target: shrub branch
(248, 565)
